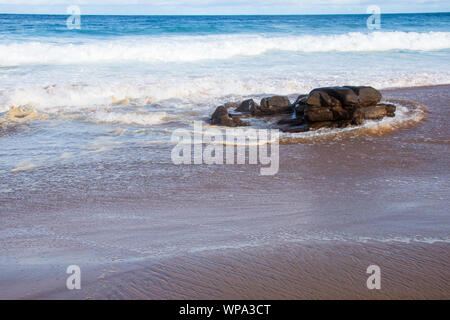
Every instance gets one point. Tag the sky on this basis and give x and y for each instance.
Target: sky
(157, 7)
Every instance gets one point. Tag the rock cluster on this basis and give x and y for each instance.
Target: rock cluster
(332, 107)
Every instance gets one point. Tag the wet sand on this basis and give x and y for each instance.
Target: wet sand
(335, 207)
(291, 271)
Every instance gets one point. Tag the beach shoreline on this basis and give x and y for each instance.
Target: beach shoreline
(224, 232)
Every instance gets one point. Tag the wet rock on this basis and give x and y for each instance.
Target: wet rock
(300, 104)
(273, 105)
(291, 121)
(339, 113)
(341, 106)
(367, 96)
(231, 105)
(327, 107)
(357, 117)
(374, 112)
(246, 106)
(327, 96)
(318, 114)
(390, 109)
(379, 111)
(301, 100)
(222, 118)
(295, 128)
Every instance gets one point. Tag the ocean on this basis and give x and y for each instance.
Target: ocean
(203, 60)
(86, 175)
(150, 72)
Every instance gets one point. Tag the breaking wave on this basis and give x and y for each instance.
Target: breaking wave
(195, 48)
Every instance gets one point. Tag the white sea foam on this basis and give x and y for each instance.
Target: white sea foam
(141, 118)
(194, 48)
(196, 93)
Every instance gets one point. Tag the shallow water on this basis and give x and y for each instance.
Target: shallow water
(121, 193)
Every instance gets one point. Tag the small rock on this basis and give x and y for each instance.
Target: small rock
(231, 105)
(390, 109)
(246, 106)
(222, 118)
(346, 96)
(367, 96)
(273, 105)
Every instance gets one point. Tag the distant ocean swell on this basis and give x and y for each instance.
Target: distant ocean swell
(211, 47)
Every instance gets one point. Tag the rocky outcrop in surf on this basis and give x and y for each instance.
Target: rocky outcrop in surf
(328, 107)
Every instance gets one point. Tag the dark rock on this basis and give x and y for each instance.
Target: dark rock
(367, 96)
(329, 124)
(222, 118)
(342, 106)
(330, 107)
(315, 99)
(246, 106)
(339, 113)
(300, 105)
(300, 110)
(346, 96)
(321, 99)
(301, 99)
(379, 111)
(231, 105)
(273, 105)
(295, 128)
(390, 109)
(317, 114)
(291, 121)
(357, 117)
(374, 112)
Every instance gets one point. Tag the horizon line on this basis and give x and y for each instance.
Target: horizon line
(210, 14)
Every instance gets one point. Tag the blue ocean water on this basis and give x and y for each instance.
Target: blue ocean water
(31, 26)
(199, 59)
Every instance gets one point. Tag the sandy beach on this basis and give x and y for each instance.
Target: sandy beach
(160, 231)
